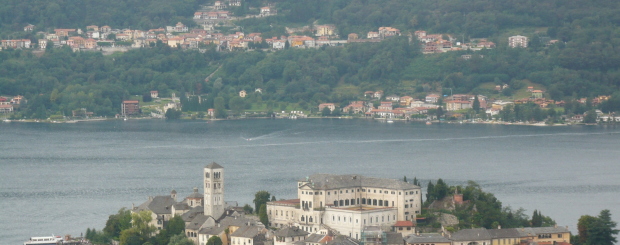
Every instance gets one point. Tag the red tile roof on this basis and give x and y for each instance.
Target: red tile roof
(405, 223)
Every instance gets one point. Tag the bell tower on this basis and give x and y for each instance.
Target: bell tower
(214, 190)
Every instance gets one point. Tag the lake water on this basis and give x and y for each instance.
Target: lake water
(62, 178)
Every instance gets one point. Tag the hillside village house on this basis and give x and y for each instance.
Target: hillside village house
(346, 204)
(265, 11)
(329, 106)
(130, 107)
(325, 30)
(517, 41)
(29, 27)
(432, 98)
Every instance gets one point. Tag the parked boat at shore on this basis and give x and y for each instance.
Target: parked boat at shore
(44, 240)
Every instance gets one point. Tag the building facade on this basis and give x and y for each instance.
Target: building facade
(346, 204)
(517, 41)
(214, 190)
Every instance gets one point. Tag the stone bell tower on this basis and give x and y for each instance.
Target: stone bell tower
(214, 190)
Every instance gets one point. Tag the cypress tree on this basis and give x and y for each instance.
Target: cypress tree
(262, 215)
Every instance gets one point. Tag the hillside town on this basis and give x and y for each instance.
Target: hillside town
(109, 39)
(210, 18)
(328, 209)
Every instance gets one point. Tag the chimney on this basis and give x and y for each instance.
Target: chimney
(499, 227)
(555, 226)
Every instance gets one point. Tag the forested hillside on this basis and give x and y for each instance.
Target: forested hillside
(585, 61)
(136, 14)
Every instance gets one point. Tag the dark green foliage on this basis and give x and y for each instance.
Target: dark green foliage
(97, 237)
(590, 117)
(181, 239)
(146, 97)
(214, 240)
(62, 81)
(537, 219)
(260, 198)
(326, 111)
(584, 63)
(175, 226)
(430, 190)
(596, 230)
(482, 209)
(173, 114)
(143, 14)
(248, 209)
(117, 223)
(524, 112)
(476, 105)
(262, 215)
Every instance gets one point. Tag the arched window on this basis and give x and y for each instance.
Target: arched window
(336, 203)
(385, 203)
(374, 202)
(380, 202)
(352, 201)
(206, 175)
(303, 218)
(346, 202)
(310, 219)
(341, 203)
(363, 200)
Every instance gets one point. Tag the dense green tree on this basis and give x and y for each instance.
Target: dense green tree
(262, 215)
(214, 240)
(175, 225)
(248, 209)
(476, 105)
(602, 231)
(583, 225)
(173, 114)
(260, 198)
(146, 97)
(117, 223)
(326, 111)
(430, 192)
(180, 239)
(590, 117)
(236, 104)
(220, 108)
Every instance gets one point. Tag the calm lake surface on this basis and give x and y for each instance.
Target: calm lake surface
(62, 178)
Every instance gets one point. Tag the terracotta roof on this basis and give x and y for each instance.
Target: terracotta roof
(404, 223)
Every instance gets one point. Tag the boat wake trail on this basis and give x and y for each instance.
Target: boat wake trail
(398, 140)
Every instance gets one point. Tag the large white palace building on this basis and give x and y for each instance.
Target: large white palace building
(346, 204)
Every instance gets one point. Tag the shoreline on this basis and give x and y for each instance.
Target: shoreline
(538, 124)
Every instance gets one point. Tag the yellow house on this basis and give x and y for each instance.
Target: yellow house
(173, 42)
(325, 30)
(242, 94)
(546, 235)
(504, 236)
